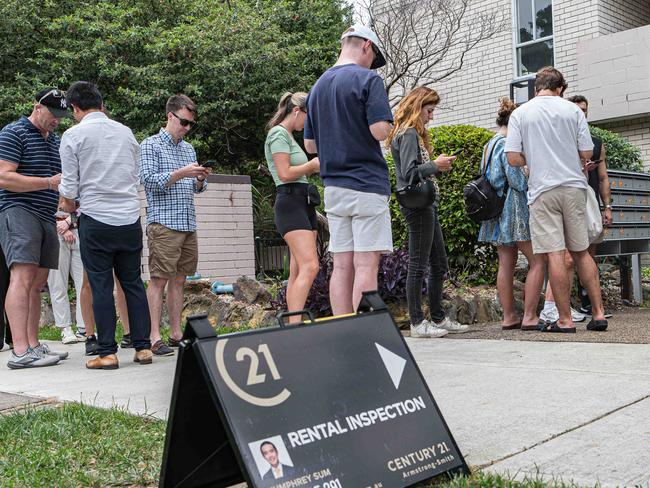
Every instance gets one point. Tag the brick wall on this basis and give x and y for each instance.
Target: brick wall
(224, 214)
(636, 131)
(619, 15)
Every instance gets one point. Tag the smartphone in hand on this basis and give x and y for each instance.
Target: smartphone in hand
(210, 163)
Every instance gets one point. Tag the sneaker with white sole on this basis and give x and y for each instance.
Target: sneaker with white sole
(80, 335)
(420, 330)
(44, 350)
(577, 316)
(451, 326)
(31, 359)
(67, 336)
(427, 329)
(549, 315)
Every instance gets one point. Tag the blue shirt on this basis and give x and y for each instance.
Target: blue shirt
(22, 144)
(171, 206)
(341, 106)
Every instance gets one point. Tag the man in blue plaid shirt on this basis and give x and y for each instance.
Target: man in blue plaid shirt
(171, 177)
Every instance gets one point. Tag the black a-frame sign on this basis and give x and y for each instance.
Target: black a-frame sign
(338, 403)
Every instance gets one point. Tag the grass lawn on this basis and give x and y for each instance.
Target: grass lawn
(74, 445)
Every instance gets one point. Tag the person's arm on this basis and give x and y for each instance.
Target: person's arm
(411, 167)
(378, 113)
(158, 181)
(201, 181)
(585, 142)
(604, 189)
(288, 173)
(11, 151)
(516, 159)
(310, 146)
(380, 130)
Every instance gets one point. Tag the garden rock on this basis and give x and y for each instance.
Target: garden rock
(250, 291)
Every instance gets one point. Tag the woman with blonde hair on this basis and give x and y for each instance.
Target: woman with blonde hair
(410, 145)
(509, 232)
(296, 200)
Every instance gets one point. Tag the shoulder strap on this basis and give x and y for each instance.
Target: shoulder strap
(489, 159)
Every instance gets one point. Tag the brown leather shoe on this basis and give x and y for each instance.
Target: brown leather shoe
(143, 357)
(103, 362)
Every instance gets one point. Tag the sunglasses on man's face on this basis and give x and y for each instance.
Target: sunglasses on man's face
(54, 93)
(185, 122)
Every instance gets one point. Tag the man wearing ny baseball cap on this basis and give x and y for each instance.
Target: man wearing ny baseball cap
(348, 114)
(30, 173)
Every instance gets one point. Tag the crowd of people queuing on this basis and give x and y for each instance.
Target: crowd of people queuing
(69, 207)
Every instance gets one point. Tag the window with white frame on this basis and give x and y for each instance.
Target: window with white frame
(534, 36)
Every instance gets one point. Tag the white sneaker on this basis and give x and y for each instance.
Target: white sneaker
(80, 335)
(427, 329)
(67, 336)
(577, 316)
(420, 330)
(451, 326)
(44, 350)
(550, 315)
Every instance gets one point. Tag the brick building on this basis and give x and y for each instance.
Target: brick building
(601, 46)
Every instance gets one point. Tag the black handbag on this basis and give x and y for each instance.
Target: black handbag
(313, 195)
(481, 199)
(416, 195)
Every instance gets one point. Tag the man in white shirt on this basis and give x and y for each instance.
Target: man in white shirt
(99, 159)
(551, 136)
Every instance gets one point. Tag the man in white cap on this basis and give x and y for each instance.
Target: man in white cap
(348, 114)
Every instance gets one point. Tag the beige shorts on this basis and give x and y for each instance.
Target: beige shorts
(558, 220)
(358, 221)
(171, 253)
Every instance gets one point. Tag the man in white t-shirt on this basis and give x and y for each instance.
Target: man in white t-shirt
(551, 136)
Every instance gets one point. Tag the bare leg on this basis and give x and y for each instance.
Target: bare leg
(342, 283)
(588, 273)
(35, 305)
(303, 270)
(366, 267)
(505, 278)
(534, 282)
(155, 297)
(121, 306)
(558, 279)
(87, 306)
(21, 281)
(175, 305)
(568, 263)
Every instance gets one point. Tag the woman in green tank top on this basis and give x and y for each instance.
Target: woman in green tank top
(295, 218)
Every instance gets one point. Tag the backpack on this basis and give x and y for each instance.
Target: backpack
(481, 199)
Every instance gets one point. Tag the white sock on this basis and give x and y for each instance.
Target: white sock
(548, 306)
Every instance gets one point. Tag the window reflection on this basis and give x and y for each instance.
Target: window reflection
(543, 18)
(535, 56)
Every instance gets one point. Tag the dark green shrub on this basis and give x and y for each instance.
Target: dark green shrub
(469, 260)
(620, 154)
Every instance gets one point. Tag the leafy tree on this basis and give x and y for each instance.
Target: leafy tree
(619, 153)
(233, 58)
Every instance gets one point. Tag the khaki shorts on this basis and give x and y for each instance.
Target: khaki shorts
(558, 220)
(171, 253)
(358, 221)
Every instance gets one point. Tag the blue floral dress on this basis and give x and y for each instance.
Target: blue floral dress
(512, 225)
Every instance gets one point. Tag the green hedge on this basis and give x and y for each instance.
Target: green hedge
(469, 260)
(620, 154)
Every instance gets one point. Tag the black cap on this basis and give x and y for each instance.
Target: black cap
(54, 100)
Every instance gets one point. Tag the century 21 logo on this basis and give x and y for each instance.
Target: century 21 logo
(254, 376)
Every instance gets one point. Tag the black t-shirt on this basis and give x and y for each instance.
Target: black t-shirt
(341, 106)
(593, 179)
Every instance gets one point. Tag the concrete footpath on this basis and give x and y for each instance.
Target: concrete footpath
(573, 411)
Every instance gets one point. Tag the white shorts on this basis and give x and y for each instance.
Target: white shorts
(358, 221)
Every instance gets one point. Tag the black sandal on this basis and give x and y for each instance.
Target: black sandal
(553, 327)
(597, 325)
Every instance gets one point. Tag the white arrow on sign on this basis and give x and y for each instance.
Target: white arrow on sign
(394, 364)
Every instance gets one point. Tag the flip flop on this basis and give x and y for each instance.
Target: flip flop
(532, 327)
(553, 327)
(516, 325)
(597, 325)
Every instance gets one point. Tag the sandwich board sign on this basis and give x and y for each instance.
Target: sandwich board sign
(332, 404)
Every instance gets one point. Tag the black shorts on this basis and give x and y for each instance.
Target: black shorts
(291, 210)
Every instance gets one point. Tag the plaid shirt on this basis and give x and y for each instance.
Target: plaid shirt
(171, 206)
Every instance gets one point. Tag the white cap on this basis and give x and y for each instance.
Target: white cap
(359, 30)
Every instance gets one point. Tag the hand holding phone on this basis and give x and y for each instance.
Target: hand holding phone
(210, 163)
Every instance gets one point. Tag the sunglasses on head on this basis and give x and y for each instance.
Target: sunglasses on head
(54, 93)
(185, 122)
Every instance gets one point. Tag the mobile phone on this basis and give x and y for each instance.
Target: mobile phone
(457, 152)
(598, 161)
(210, 163)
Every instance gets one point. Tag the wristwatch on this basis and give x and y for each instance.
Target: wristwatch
(608, 206)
